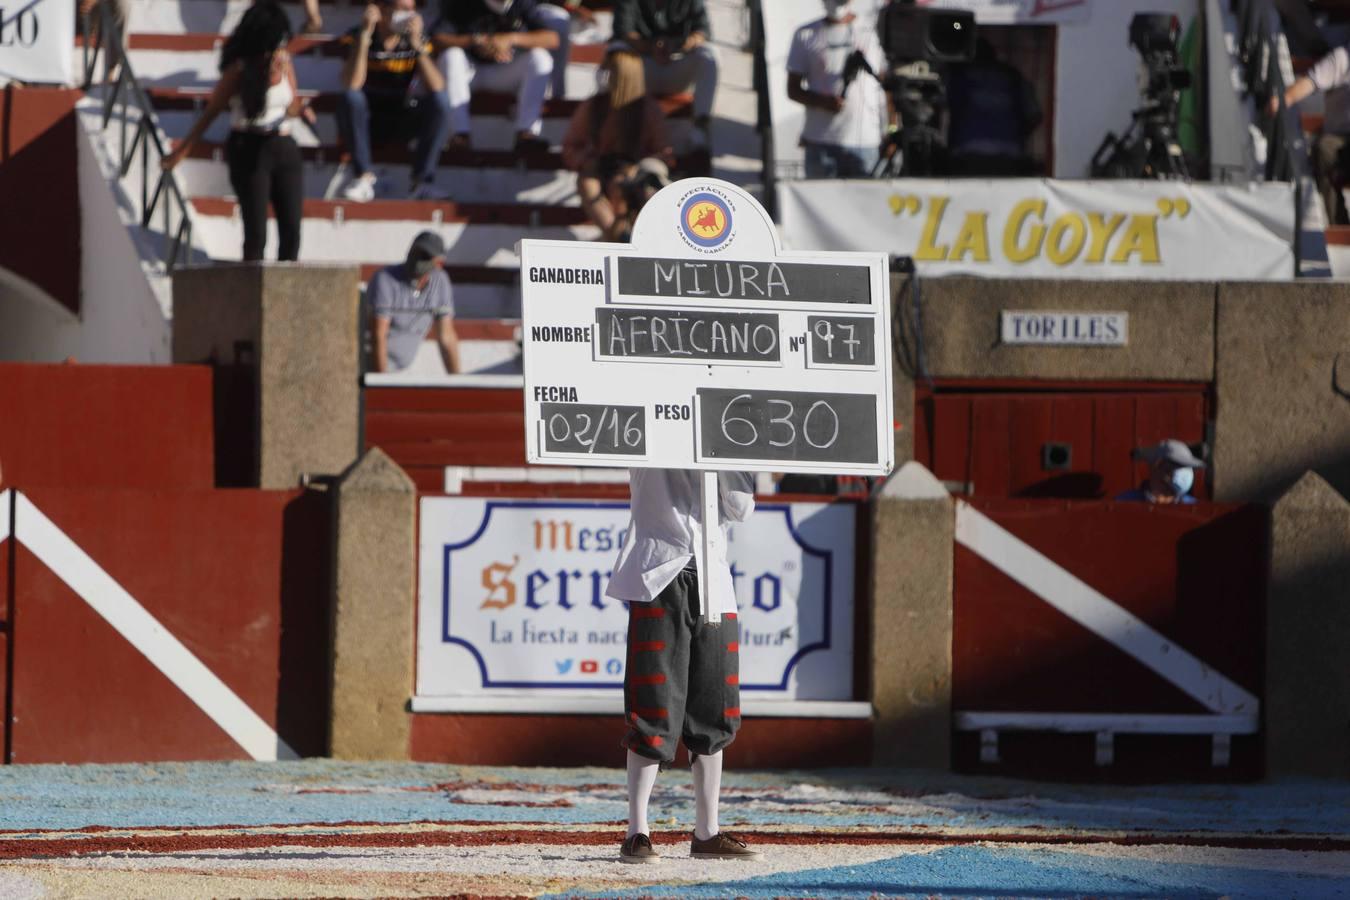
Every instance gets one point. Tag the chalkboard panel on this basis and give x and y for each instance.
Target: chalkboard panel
(692, 279)
(787, 425)
(594, 428)
(634, 333)
(842, 340)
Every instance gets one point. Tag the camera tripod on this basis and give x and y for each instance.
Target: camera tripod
(1148, 149)
(918, 149)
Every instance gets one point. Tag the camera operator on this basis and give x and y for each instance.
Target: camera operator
(1331, 155)
(831, 68)
(991, 111)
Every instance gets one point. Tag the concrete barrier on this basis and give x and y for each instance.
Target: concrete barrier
(374, 607)
(912, 621)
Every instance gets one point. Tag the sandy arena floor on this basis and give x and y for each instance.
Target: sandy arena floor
(321, 829)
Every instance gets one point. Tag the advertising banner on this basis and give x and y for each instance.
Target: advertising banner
(1034, 228)
(37, 40)
(512, 600)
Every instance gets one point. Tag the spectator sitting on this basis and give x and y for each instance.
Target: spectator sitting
(497, 45)
(257, 84)
(671, 36)
(393, 91)
(991, 111)
(558, 19)
(1331, 159)
(634, 186)
(843, 128)
(1171, 474)
(405, 299)
(611, 130)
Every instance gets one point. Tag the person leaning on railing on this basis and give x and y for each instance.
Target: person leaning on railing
(257, 84)
(1331, 149)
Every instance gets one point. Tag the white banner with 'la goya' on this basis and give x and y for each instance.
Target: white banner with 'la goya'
(1034, 228)
(36, 40)
(512, 600)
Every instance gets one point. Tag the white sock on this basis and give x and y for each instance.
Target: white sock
(707, 772)
(641, 779)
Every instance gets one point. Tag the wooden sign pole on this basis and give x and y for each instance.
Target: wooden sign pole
(706, 546)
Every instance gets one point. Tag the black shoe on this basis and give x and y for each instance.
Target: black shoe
(722, 846)
(637, 848)
(529, 143)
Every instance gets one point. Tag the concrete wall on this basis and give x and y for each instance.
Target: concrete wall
(297, 325)
(912, 622)
(1171, 329)
(374, 605)
(1307, 698)
(1283, 380)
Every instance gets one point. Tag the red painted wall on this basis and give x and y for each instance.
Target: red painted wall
(38, 166)
(1197, 574)
(990, 437)
(106, 426)
(537, 740)
(239, 577)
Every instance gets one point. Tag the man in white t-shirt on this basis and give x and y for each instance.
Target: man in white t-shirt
(1331, 150)
(844, 122)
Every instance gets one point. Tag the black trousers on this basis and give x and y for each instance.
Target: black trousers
(267, 168)
(683, 676)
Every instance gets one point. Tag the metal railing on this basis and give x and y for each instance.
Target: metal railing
(763, 114)
(125, 100)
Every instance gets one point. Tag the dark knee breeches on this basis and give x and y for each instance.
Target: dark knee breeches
(683, 675)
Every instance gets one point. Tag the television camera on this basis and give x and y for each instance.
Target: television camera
(919, 43)
(1149, 147)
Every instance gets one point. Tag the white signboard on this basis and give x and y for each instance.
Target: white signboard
(703, 345)
(36, 40)
(512, 600)
(1018, 12)
(1035, 326)
(1032, 228)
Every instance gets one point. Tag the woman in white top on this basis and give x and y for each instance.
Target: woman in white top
(257, 85)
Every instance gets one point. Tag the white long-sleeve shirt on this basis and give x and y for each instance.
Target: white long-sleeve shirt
(666, 527)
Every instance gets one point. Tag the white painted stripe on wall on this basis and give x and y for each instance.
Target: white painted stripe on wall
(131, 620)
(1121, 723)
(4, 514)
(1093, 610)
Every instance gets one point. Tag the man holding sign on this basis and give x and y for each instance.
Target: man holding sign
(682, 679)
(694, 354)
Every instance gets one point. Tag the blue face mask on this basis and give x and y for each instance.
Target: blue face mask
(1183, 480)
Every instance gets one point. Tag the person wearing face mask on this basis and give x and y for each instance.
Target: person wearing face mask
(405, 300)
(1171, 474)
(497, 45)
(393, 91)
(844, 121)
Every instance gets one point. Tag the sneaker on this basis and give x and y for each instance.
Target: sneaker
(637, 848)
(427, 190)
(360, 189)
(722, 846)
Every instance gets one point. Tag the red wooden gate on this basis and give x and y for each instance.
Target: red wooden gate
(1122, 634)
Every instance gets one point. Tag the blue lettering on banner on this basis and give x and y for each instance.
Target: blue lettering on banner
(775, 592)
(556, 590)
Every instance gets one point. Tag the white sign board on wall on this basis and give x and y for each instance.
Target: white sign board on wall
(703, 345)
(1035, 228)
(512, 605)
(36, 41)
